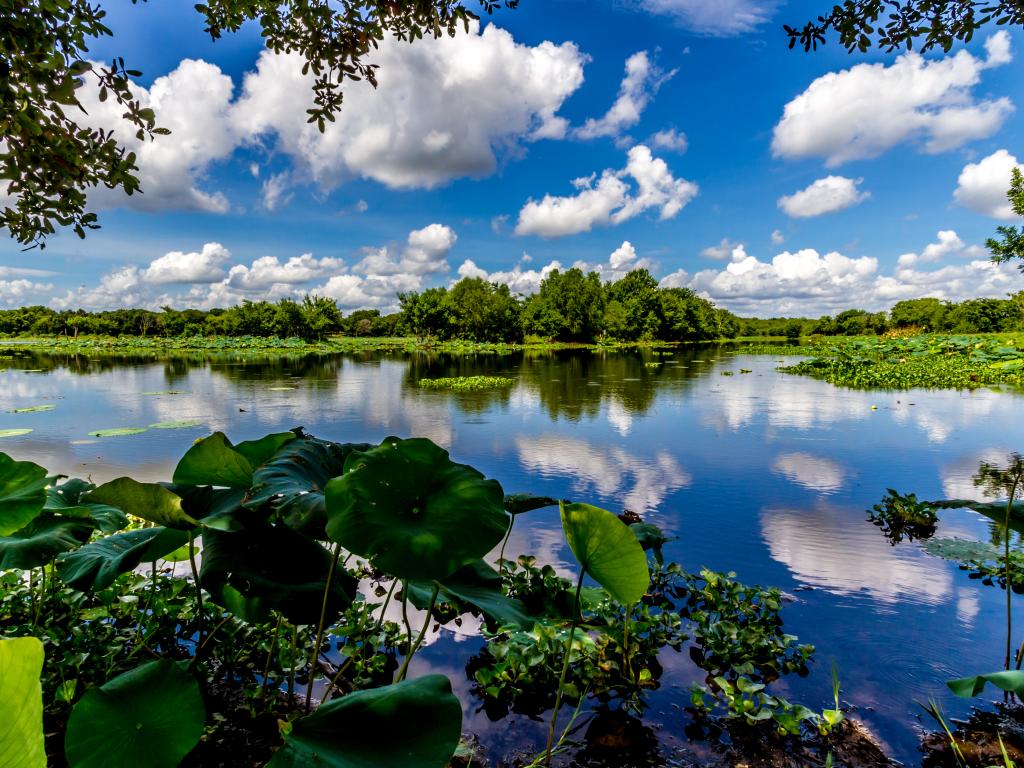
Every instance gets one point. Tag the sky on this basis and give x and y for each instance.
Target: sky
(677, 135)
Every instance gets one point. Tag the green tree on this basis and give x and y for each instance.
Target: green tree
(426, 313)
(894, 24)
(1011, 244)
(483, 311)
(638, 294)
(50, 160)
(928, 314)
(568, 307)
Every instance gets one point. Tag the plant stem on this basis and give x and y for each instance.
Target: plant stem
(320, 627)
(387, 602)
(508, 535)
(1006, 564)
(625, 641)
(291, 661)
(32, 595)
(565, 670)
(270, 656)
(405, 612)
(195, 578)
(53, 586)
(423, 631)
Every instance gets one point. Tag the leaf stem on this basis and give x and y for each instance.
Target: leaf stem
(320, 627)
(195, 578)
(423, 631)
(387, 602)
(270, 656)
(565, 669)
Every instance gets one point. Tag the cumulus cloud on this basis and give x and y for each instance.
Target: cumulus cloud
(642, 80)
(777, 237)
(827, 195)
(723, 18)
(609, 200)
(722, 251)
(426, 252)
(518, 279)
(807, 282)
(204, 266)
(669, 139)
(275, 191)
(443, 110)
(863, 111)
(947, 244)
(14, 293)
(982, 186)
(268, 271)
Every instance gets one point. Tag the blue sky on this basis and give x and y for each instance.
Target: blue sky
(770, 180)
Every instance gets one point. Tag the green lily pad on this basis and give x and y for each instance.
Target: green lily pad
(412, 724)
(148, 501)
(15, 432)
(33, 409)
(164, 392)
(608, 550)
(412, 511)
(96, 565)
(22, 493)
(281, 389)
(42, 540)
(186, 424)
(118, 432)
(152, 716)
(21, 704)
(961, 549)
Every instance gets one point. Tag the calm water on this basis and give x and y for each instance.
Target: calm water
(764, 474)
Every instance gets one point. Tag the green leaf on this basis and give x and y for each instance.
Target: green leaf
(961, 549)
(96, 565)
(412, 511)
(14, 432)
(33, 409)
(651, 537)
(186, 424)
(260, 451)
(518, 503)
(476, 585)
(118, 432)
(42, 540)
(148, 501)
(608, 550)
(412, 724)
(67, 500)
(22, 493)
(213, 460)
(1006, 680)
(21, 704)
(151, 716)
(292, 483)
(270, 567)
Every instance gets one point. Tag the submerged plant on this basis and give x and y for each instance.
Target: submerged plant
(900, 516)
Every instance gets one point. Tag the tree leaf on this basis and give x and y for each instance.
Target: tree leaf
(148, 501)
(413, 511)
(21, 704)
(1006, 680)
(608, 550)
(96, 565)
(42, 540)
(152, 716)
(22, 493)
(412, 724)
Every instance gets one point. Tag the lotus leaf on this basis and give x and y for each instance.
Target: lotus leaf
(272, 567)
(21, 704)
(962, 549)
(97, 564)
(67, 500)
(413, 511)
(42, 540)
(14, 432)
(412, 724)
(651, 537)
(608, 550)
(22, 493)
(148, 501)
(151, 716)
(215, 461)
(518, 503)
(33, 409)
(118, 432)
(1006, 680)
(292, 483)
(479, 586)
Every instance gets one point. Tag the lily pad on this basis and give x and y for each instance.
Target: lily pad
(608, 550)
(281, 389)
(152, 716)
(186, 424)
(118, 432)
(148, 501)
(164, 392)
(96, 565)
(21, 703)
(22, 493)
(412, 724)
(33, 409)
(961, 549)
(14, 432)
(414, 512)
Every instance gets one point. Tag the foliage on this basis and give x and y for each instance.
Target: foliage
(607, 550)
(22, 493)
(21, 704)
(466, 383)
(893, 24)
(1008, 680)
(901, 515)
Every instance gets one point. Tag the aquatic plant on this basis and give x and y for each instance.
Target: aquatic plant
(466, 383)
(902, 516)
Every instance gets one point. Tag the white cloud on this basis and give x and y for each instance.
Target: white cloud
(827, 195)
(443, 110)
(722, 18)
(722, 251)
(641, 82)
(205, 266)
(863, 111)
(14, 293)
(611, 200)
(777, 237)
(948, 243)
(982, 186)
(426, 252)
(275, 191)
(192, 101)
(519, 280)
(669, 139)
(268, 271)
(814, 472)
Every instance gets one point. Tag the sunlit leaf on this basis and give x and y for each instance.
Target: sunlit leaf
(607, 550)
(42, 540)
(21, 704)
(96, 565)
(14, 432)
(118, 432)
(476, 586)
(148, 501)
(22, 493)
(1011, 681)
(33, 409)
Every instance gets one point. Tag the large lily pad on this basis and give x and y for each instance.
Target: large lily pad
(42, 540)
(151, 716)
(272, 567)
(21, 704)
(97, 564)
(66, 499)
(608, 550)
(474, 586)
(148, 501)
(292, 483)
(22, 493)
(962, 549)
(413, 511)
(214, 460)
(412, 724)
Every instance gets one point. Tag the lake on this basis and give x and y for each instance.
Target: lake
(761, 473)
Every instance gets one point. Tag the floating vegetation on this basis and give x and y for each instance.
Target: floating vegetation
(653, 364)
(902, 516)
(33, 409)
(118, 432)
(745, 370)
(467, 383)
(281, 389)
(14, 432)
(186, 424)
(164, 392)
(728, 373)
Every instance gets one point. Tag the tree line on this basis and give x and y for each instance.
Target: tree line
(570, 306)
